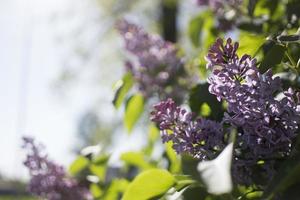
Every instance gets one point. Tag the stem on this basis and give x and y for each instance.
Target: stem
(291, 59)
(186, 182)
(294, 65)
(245, 195)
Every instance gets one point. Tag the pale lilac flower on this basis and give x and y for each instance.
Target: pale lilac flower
(48, 179)
(158, 70)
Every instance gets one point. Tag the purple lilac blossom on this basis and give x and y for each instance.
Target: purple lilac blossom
(158, 70)
(267, 124)
(48, 179)
(199, 137)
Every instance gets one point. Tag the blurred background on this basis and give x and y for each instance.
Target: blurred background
(59, 60)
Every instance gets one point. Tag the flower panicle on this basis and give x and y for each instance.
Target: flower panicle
(267, 124)
(157, 68)
(48, 179)
(198, 137)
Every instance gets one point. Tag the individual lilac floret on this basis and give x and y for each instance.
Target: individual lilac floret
(49, 180)
(267, 124)
(158, 70)
(200, 138)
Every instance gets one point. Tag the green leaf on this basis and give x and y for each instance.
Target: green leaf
(149, 184)
(267, 7)
(288, 38)
(98, 171)
(205, 110)
(203, 102)
(122, 88)
(249, 26)
(136, 159)
(153, 133)
(250, 43)
(80, 164)
(101, 159)
(272, 58)
(194, 30)
(116, 188)
(183, 181)
(175, 163)
(260, 8)
(200, 26)
(133, 111)
(96, 190)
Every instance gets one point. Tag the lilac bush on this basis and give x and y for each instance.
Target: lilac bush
(267, 123)
(266, 118)
(48, 179)
(158, 70)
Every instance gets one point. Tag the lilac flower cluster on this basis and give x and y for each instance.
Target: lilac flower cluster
(49, 180)
(267, 123)
(266, 118)
(158, 70)
(200, 138)
(221, 9)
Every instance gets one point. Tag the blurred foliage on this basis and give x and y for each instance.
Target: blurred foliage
(109, 182)
(267, 30)
(133, 110)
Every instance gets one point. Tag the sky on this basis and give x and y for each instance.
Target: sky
(29, 64)
(32, 57)
(38, 38)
